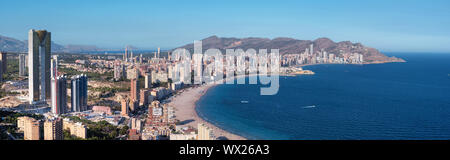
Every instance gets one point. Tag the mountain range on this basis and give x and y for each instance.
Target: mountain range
(285, 45)
(8, 44)
(294, 46)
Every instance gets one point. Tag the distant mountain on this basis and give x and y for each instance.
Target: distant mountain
(294, 46)
(13, 45)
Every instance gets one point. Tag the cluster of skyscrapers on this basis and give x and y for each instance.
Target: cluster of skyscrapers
(43, 78)
(321, 57)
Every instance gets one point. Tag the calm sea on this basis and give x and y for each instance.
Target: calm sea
(395, 101)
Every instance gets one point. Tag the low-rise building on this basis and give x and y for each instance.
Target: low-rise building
(191, 136)
(102, 109)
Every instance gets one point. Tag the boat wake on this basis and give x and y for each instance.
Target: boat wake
(309, 107)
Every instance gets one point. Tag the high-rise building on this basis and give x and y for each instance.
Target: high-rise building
(76, 129)
(132, 73)
(131, 56)
(204, 132)
(4, 61)
(22, 65)
(125, 55)
(79, 130)
(133, 105)
(158, 77)
(3, 64)
(59, 95)
(54, 67)
(169, 56)
(1, 71)
(148, 80)
(159, 51)
(125, 107)
(31, 129)
(123, 70)
(53, 129)
(136, 124)
(79, 93)
(134, 90)
(39, 50)
(144, 97)
(117, 72)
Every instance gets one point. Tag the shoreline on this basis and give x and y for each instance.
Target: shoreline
(185, 111)
(186, 108)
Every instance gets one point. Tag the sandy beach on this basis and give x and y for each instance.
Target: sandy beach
(184, 104)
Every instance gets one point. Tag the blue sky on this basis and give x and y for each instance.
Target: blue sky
(389, 25)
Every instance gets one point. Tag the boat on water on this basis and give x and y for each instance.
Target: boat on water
(244, 102)
(307, 107)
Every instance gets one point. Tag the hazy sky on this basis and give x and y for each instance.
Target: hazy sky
(389, 25)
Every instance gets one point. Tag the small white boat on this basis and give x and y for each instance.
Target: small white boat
(244, 102)
(308, 107)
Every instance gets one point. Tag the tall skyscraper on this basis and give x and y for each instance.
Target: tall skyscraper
(169, 56)
(123, 70)
(159, 51)
(3, 64)
(59, 95)
(134, 90)
(22, 65)
(54, 67)
(79, 93)
(148, 80)
(4, 61)
(125, 56)
(53, 129)
(131, 56)
(39, 49)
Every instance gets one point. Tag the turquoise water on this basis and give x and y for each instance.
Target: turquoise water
(405, 101)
